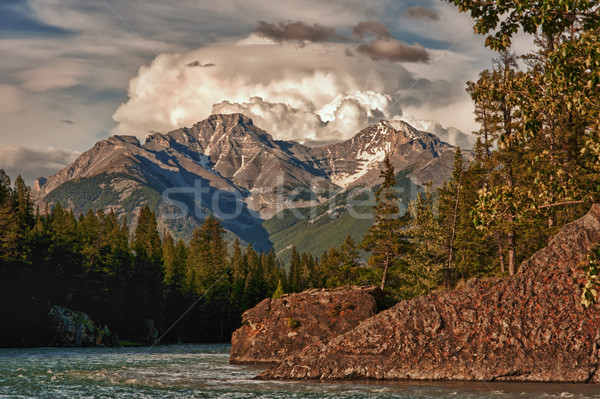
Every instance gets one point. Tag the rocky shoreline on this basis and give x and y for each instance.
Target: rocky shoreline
(530, 327)
(279, 327)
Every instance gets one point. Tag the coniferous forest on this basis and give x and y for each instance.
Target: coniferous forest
(132, 282)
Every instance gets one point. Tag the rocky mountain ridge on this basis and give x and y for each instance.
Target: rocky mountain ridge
(228, 166)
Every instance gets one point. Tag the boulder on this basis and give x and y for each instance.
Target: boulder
(72, 328)
(277, 328)
(529, 327)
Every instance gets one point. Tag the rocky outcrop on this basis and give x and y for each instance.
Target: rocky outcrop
(530, 327)
(277, 328)
(71, 328)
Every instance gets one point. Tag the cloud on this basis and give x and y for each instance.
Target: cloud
(388, 49)
(294, 31)
(197, 63)
(32, 163)
(16, 18)
(275, 84)
(374, 28)
(422, 14)
(312, 94)
(55, 76)
(450, 135)
(11, 100)
(336, 121)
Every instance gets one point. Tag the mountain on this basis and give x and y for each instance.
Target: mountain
(265, 191)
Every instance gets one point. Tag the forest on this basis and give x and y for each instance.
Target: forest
(535, 167)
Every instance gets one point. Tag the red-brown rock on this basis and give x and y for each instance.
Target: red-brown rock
(277, 328)
(530, 327)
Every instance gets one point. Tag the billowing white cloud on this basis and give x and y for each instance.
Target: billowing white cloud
(335, 122)
(450, 135)
(273, 83)
(314, 93)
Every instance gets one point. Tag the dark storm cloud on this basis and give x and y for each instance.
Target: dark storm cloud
(389, 49)
(365, 28)
(194, 64)
(422, 13)
(294, 31)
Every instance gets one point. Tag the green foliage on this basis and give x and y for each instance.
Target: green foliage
(589, 294)
(542, 122)
(292, 323)
(503, 19)
(384, 239)
(278, 291)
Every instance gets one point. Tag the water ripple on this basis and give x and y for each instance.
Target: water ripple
(203, 371)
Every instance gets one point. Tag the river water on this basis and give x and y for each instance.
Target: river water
(203, 371)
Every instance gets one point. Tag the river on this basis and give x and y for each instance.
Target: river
(203, 371)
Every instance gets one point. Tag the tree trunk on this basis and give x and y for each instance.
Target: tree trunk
(453, 233)
(453, 227)
(512, 259)
(501, 255)
(385, 271)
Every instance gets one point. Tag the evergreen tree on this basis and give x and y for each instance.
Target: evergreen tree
(145, 283)
(384, 239)
(278, 291)
(472, 247)
(503, 195)
(8, 224)
(5, 192)
(547, 165)
(295, 271)
(427, 259)
(450, 205)
(17, 219)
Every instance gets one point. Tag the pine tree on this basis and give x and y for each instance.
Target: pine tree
(17, 219)
(450, 207)
(8, 223)
(295, 270)
(145, 282)
(384, 239)
(278, 291)
(504, 197)
(473, 248)
(427, 258)
(5, 191)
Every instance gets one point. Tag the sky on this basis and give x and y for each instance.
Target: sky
(74, 72)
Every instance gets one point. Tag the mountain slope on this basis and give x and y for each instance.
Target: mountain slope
(357, 160)
(227, 166)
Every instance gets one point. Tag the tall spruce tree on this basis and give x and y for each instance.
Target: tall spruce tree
(147, 293)
(384, 239)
